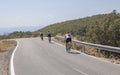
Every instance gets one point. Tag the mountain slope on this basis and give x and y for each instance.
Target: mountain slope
(102, 29)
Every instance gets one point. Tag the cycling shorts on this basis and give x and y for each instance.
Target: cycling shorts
(68, 40)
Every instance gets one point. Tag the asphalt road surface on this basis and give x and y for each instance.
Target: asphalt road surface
(36, 57)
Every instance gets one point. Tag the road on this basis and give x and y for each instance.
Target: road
(36, 57)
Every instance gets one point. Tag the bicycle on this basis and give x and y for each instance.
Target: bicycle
(41, 37)
(68, 46)
(49, 39)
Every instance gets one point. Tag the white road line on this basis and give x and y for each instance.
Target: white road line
(12, 72)
(80, 71)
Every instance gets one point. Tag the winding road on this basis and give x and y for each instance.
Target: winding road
(36, 57)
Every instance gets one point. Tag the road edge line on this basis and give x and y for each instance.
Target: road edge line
(11, 71)
(80, 71)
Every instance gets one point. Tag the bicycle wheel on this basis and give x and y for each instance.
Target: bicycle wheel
(49, 39)
(68, 47)
(41, 38)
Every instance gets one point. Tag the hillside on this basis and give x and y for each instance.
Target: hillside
(101, 29)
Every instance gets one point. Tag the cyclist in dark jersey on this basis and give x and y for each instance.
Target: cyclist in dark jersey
(41, 35)
(49, 36)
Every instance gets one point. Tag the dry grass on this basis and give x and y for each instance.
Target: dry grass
(6, 44)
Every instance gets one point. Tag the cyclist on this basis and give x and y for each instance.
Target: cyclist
(49, 36)
(68, 38)
(41, 35)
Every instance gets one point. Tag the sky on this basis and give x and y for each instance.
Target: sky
(20, 13)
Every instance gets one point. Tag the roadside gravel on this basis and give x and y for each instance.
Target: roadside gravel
(5, 60)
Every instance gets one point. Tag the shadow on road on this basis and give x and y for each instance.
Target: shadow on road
(74, 52)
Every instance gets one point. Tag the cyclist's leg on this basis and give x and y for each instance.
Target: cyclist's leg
(41, 37)
(69, 44)
(49, 39)
(66, 42)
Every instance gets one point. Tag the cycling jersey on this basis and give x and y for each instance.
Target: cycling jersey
(68, 35)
